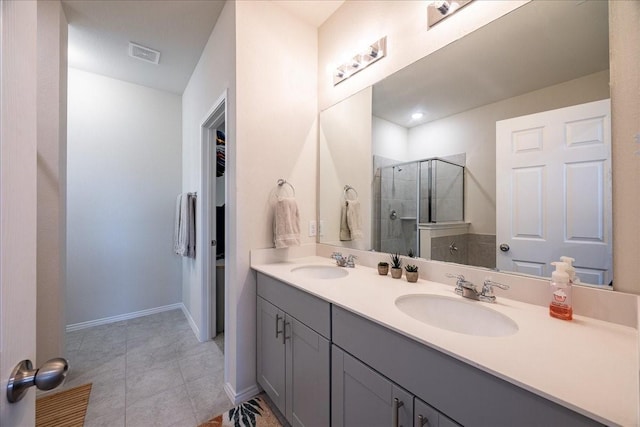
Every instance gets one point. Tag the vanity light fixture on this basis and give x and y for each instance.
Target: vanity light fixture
(440, 9)
(442, 6)
(368, 56)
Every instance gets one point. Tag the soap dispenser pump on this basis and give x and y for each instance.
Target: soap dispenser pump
(571, 271)
(560, 305)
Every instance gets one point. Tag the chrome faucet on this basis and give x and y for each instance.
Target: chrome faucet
(341, 261)
(467, 289)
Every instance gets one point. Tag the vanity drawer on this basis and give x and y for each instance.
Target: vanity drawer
(312, 311)
(464, 393)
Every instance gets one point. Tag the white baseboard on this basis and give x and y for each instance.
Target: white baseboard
(193, 325)
(126, 316)
(244, 395)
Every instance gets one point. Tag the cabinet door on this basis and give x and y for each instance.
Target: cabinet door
(271, 352)
(427, 416)
(308, 375)
(361, 397)
(424, 415)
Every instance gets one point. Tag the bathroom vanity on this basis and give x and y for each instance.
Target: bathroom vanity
(343, 339)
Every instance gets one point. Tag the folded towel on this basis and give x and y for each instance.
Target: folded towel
(286, 223)
(345, 233)
(354, 219)
(184, 233)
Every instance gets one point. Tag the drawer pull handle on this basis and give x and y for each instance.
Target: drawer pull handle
(278, 319)
(397, 404)
(284, 332)
(422, 421)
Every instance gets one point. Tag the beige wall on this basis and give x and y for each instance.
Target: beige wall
(624, 39)
(52, 170)
(276, 60)
(345, 159)
(214, 74)
(267, 59)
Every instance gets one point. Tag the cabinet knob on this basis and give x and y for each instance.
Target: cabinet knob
(422, 421)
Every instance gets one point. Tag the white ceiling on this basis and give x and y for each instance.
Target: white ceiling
(100, 32)
(538, 45)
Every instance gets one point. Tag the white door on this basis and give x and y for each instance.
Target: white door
(553, 191)
(17, 201)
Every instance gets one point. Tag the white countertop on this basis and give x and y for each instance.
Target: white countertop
(585, 364)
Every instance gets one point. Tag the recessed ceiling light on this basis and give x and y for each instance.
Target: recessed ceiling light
(416, 116)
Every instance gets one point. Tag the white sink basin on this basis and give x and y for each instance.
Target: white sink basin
(457, 315)
(320, 271)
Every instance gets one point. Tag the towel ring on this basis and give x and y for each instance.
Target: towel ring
(346, 190)
(282, 182)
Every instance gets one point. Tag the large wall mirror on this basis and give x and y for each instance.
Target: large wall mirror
(409, 165)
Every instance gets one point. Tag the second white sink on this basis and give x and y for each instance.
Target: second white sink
(320, 271)
(457, 315)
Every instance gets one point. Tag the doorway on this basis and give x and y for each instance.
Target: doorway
(214, 213)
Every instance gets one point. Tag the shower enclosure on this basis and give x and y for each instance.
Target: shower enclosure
(419, 192)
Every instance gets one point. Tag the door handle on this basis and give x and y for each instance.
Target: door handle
(422, 420)
(395, 415)
(504, 247)
(47, 377)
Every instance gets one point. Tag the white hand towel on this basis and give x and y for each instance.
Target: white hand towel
(179, 235)
(345, 233)
(354, 219)
(184, 233)
(286, 223)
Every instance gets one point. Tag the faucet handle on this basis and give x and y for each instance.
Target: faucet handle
(351, 260)
(487, 287)
(336, 255)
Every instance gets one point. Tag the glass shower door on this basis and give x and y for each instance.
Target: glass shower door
(399, 208)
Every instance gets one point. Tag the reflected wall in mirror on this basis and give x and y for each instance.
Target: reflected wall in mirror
(542, 56)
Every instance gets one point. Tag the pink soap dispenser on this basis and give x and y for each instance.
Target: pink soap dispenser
(560, 305)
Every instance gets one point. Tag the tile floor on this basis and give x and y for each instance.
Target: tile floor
(148, 371)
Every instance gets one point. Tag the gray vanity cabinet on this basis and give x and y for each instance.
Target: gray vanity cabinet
(293, 363)
(464, 393)
(362, 397)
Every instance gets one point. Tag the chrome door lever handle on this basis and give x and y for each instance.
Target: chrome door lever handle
(47, 377)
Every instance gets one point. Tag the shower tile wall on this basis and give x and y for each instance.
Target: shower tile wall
(398, 193)
(442, 248)
(473, 249)
(482, 250)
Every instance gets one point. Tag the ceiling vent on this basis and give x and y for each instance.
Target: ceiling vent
(144, 53)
